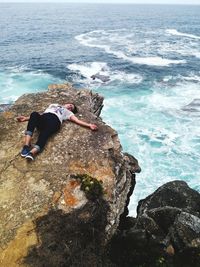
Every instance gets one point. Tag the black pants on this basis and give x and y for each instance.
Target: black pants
(47, 124)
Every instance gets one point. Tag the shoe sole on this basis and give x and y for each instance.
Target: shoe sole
(29, 158)
(23, 155)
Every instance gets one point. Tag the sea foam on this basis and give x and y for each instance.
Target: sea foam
(175, 32)
(88, 69)
(102, 40)
(169, 138)
(18, 80)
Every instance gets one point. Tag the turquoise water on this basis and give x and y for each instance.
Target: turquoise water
(17, 81)
(151, 56)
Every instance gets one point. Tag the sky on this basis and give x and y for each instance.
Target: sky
(183, 2)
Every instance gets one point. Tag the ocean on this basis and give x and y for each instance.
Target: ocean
(150, 56)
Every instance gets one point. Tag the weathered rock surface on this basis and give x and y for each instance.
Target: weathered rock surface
(165, 232)
(4, 107)
(46, 220)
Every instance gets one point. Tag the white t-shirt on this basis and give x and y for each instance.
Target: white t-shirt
(61, 112)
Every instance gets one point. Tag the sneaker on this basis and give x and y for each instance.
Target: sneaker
(25, 151)
(30, 156)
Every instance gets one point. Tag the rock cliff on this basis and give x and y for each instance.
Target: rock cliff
(47, 219)
(166, 231)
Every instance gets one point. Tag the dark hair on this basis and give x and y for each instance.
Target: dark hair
(75, 110)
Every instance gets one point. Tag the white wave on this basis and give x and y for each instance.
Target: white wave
(90, 68)
(175, 32)
(167, 78)
(197, 54)
(126, 77)
(187, 51)
(192, 77)
(9, 99)
(92, 39)
(151, 61)
(166, 141)
(18, 69)
(87, 39)
(156, 61)
(18, 80)
(174, 99)
(159, 134)
(179, 47)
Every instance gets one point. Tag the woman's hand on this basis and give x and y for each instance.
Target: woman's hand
(22, 118)
(93, 127)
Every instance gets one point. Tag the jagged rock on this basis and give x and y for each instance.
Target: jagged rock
(46, 220)
(103, 78)
(166, 230)
(185, 232)
(173, 194)
(4, 107)
(193, 107)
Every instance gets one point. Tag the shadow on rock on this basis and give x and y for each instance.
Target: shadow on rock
(75, 239)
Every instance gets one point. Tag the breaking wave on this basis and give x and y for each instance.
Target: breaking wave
(114, 44)
(175, 32)
(18, 80)
(86, 70)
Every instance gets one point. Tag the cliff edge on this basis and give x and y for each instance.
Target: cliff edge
(51, 214)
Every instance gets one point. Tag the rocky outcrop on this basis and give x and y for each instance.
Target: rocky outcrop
(4, 107)
(166, 231)
(46, 218)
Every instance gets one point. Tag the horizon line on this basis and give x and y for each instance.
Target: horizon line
(122, 3)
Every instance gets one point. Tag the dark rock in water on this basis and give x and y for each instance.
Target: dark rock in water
(174, 194)
(103, 78)
(194, 106)
(166, 231)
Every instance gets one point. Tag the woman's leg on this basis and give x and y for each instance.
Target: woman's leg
(34, 121)
(51, 125)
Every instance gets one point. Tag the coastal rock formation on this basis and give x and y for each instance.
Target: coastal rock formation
(166, 231)
(47, 219)
(4, 107)
(193, 107)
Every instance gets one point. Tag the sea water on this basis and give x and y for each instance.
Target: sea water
(151, 57)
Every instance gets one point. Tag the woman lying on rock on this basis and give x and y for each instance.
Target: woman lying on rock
(48, 123)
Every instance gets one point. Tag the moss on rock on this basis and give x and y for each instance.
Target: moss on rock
(91, 186)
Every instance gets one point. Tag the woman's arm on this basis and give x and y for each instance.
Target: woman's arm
(22, 118)
(83, 123)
